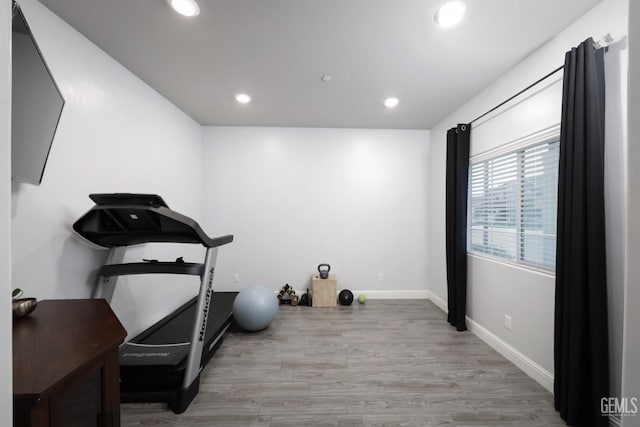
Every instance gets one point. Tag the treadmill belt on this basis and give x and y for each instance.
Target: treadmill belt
(179, 329)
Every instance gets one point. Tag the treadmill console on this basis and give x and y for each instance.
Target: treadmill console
(122, 219)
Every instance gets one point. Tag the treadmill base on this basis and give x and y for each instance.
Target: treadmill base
(184, 397)
(177, 400)
(156, 374)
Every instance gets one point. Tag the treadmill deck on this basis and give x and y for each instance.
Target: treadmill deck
(155, 360)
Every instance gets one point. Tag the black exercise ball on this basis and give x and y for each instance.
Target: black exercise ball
(345, 297)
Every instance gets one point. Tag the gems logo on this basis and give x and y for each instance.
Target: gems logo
(625, 406)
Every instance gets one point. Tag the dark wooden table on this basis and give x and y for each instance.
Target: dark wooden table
(65, 365)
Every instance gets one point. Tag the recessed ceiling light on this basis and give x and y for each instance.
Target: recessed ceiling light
(185, 7)
(391, 102)
(327, 78)
(243, 98)
(450, 13)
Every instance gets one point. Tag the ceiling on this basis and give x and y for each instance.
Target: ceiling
(278, 50)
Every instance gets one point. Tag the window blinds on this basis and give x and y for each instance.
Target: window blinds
(513, 205)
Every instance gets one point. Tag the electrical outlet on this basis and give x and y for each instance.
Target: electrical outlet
(236, 277)
(381, 276)
(507, 321)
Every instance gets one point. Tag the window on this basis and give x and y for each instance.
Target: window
(512, 206)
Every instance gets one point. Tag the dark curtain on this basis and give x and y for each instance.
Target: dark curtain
(456, 223)
(581, 331)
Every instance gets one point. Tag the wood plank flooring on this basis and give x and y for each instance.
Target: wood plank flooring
(385, 363)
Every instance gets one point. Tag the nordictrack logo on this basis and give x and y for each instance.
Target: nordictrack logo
(207, 302)
(624, 407)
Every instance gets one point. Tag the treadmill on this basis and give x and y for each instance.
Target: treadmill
(163, 363)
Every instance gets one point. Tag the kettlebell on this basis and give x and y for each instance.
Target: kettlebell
(323, 269)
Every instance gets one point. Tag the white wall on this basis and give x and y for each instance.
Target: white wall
(615, 182)
(116, 134)
(297, 197)
(496, 289)
(6, 383)
(631, 355)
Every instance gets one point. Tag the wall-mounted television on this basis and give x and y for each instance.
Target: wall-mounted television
(36, 104)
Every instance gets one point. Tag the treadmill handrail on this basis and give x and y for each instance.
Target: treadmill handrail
(209, 242)
(111, 270)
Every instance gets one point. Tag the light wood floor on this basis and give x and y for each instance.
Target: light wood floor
(385, 363)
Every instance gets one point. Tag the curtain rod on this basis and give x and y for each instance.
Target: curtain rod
(517, 94)
(604, 42)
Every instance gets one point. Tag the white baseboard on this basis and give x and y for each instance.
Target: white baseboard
(399, 294)
(528, 366)
(442, 304)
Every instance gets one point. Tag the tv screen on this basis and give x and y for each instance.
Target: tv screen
(36, 105)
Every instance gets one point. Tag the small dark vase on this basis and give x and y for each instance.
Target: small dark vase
(23, 306)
